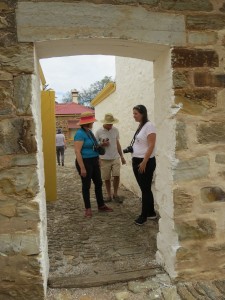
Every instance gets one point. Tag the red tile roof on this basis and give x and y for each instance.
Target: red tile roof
(73, 124)
(71, 109)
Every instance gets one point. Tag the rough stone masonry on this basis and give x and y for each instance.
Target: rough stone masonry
(198, 175)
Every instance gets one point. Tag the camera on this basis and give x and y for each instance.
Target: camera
(129, 149)
(99, 149)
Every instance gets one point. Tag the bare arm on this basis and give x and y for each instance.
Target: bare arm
(151, 141)
(77, 148)
(120, 152)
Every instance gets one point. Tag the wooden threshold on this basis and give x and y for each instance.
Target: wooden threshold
(103, 279)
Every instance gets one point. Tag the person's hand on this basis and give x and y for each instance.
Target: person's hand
(123, 160)
(105, 143)
(141, 167)
(83, 172)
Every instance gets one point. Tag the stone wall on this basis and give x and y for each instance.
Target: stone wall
(21, 190)
(134, 85)
(199, 184)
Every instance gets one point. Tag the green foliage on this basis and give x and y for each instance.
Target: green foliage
(87, 95)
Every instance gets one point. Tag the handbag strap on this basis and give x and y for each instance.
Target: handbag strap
(91, 137)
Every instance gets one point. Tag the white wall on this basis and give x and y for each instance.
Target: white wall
(40, 197)
(167, 239)
(134, 85)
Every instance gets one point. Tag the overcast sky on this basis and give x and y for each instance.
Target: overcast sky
(66, 73)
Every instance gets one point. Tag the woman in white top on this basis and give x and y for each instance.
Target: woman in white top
(143, 161)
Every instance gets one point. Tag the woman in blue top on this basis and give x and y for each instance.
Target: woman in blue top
(87, 163)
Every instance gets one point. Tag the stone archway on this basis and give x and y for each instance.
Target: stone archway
(187, 47)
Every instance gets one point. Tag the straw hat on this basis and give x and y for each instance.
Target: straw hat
(87, 118)
(109, 119)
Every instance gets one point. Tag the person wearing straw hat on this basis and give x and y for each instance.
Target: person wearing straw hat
(108, 136)
(87, 163)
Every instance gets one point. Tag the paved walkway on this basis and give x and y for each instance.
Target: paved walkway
(99, 249)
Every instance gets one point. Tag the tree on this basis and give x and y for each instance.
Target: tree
(67, 97)
(86, 95)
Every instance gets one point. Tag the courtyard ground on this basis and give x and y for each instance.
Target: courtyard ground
(107, 257)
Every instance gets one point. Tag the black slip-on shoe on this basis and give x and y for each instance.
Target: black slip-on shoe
(140, 221)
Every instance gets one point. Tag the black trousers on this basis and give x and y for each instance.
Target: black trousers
(144, 181)
(60, 152)
(93, 173)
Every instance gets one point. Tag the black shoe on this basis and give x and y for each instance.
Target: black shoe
(63, 164)
(58, 164)
(152, 217)
(140, 220)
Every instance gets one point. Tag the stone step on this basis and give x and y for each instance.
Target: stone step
(103, 279)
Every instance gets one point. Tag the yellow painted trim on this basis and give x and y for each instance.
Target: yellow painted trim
(41, 74)
(108, 90)
(49, 143)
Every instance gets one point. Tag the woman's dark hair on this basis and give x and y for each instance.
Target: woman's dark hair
(85, 126)
(143, 111)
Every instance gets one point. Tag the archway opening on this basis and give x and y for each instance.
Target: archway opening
(108, 248)
(162, 77)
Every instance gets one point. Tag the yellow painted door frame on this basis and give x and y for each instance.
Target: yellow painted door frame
(49, 143)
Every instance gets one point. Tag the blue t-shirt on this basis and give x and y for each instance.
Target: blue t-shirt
(87, 148)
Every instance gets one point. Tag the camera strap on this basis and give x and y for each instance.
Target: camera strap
(136, 133)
